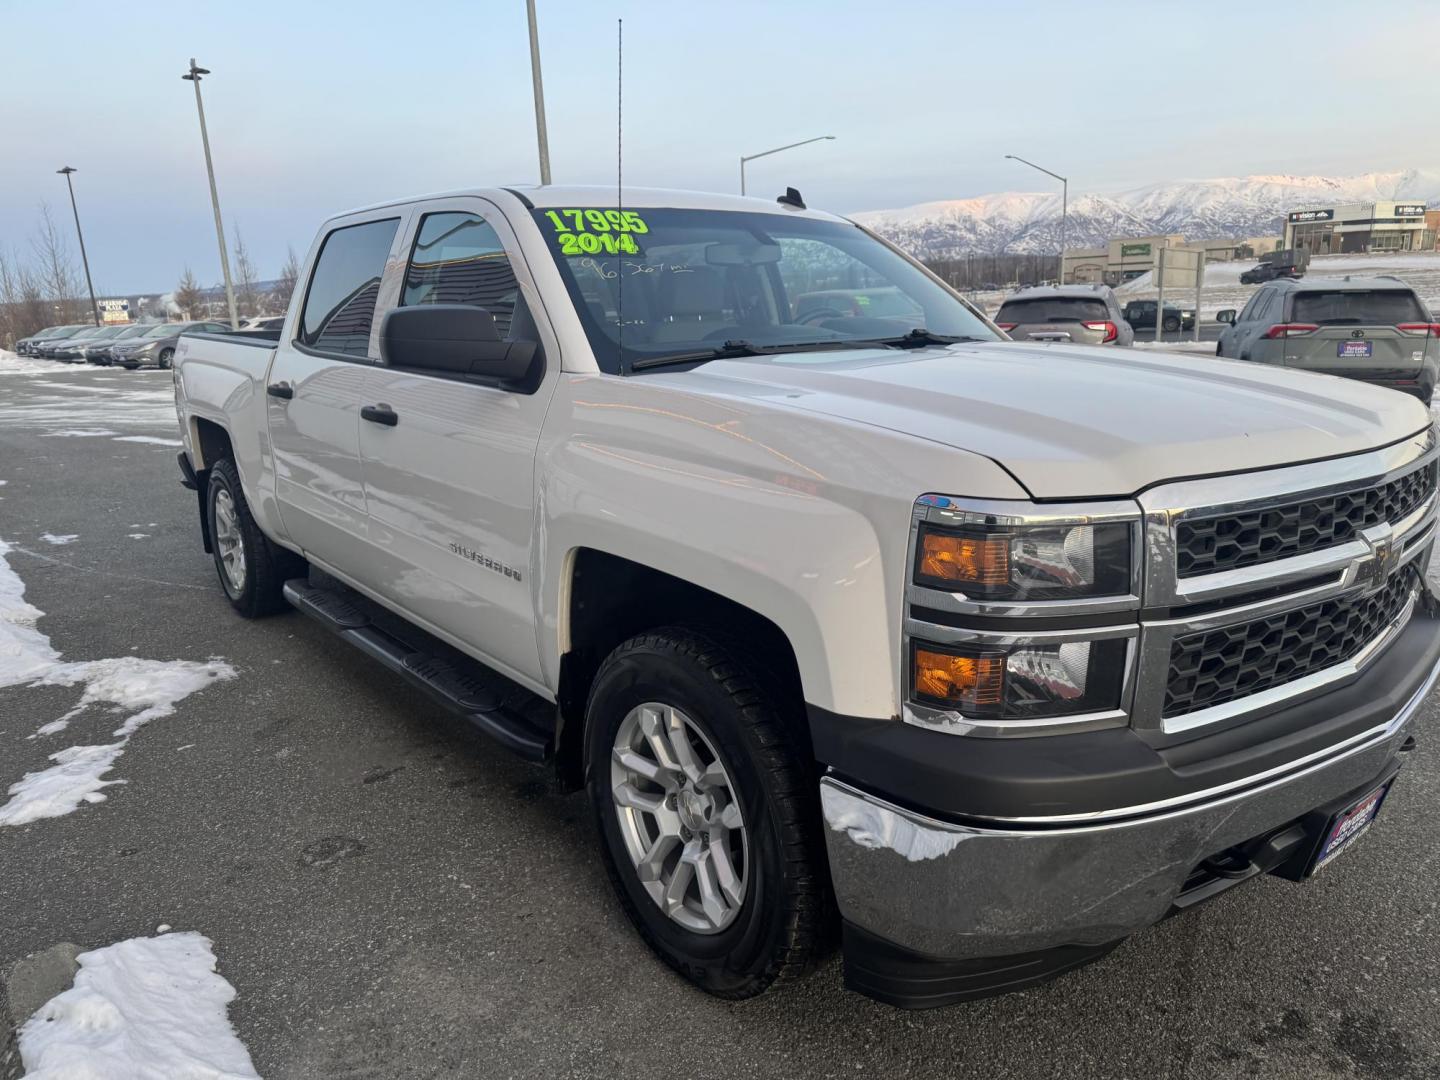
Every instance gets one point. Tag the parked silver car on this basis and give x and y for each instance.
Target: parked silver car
(157, 346)
(29, 346)
(1085, 314)
(1371, 328)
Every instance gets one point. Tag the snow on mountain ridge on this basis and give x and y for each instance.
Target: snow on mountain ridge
(1234, 206)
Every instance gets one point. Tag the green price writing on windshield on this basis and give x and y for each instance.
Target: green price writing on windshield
(596, 232)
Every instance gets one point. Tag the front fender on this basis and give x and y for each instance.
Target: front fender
(802, 518)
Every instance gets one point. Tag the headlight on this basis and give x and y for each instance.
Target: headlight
(1025, 562)
(1023, 681)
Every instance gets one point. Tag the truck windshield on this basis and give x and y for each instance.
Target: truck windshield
(692, 280)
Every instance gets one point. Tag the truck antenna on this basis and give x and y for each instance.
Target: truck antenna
(620, 181)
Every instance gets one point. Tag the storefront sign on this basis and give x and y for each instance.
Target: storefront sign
(1298, 217)
(1126, 250)
(1409, 209)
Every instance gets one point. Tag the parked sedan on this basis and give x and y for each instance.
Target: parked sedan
(99, 351)
(68, 347)
(26, 346)
(157, 345)
(79, 348)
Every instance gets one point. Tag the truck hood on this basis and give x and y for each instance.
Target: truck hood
(1081, 421)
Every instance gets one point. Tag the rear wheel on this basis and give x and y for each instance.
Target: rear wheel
(252, 569)
(165, 357)
(707, 812)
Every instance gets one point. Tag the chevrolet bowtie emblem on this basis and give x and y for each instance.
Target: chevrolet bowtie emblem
(1376, 565)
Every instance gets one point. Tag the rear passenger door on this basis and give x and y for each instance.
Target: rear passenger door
(314, 392)
(450, 486)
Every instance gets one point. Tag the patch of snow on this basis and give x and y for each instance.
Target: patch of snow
(64, 538)
(138, 536)
(149, 439)
(11, 364)
(144, 690)
(163, 928)
(146, 1007)
(77, 433)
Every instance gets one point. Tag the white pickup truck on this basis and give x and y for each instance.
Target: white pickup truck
(851, 614)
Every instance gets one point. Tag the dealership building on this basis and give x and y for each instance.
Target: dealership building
(1126, 258)
(1328, 229)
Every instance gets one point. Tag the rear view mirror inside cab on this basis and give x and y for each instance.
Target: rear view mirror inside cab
(742, 254)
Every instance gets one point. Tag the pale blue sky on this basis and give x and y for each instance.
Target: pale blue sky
(316, 107)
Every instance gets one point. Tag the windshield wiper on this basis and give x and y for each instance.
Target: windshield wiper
(919, 338)
(741, 347)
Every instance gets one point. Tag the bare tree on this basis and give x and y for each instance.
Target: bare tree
(23, 307)
(285, 284)
(247, 297)
(56, 273)
(188, 297)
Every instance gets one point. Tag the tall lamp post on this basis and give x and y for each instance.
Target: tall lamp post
(767, 153)
(1064, 200)
(194, 75)
(84, 259)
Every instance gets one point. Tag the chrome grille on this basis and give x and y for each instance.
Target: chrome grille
(1218, 666)
(1205, 545)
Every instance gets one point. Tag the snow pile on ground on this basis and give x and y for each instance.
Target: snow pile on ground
(146, 1007)
(10, 364)
(143, 690)
(66, 538)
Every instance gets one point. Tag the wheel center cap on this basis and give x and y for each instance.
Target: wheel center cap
(696, 809)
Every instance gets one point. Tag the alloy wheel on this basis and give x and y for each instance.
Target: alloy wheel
(228, 542)
(680, 817)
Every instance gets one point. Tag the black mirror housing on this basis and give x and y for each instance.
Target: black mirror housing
(455, 339)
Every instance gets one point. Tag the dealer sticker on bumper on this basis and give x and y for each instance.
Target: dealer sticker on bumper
(1349, 826)
(1355, 348)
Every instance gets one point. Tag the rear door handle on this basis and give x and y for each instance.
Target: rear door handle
(280, 390)
(379, 414)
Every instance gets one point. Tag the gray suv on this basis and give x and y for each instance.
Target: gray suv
(1371, 328)
(1084, 314)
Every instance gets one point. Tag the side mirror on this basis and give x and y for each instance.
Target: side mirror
(1226, 315)
(454, 339)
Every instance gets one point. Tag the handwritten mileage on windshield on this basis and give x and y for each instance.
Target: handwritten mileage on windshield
(596, 232)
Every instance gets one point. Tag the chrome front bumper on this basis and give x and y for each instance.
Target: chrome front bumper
(949, 890)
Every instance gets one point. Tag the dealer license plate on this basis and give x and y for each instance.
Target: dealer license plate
(1355, 348)
(1348, 826)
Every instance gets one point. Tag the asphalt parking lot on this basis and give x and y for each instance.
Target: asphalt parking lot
(391, 897)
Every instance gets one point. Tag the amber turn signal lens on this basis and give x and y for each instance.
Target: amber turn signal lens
(961, 680)
(964, 559)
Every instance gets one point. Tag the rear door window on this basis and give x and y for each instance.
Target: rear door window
(340, 303)
(1055, 309)
(458, 259)
(1357, 307)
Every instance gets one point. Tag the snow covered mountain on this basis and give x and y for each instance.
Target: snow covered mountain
(1238, 206)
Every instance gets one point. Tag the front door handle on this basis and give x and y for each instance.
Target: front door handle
(280, 390)
(379, 414)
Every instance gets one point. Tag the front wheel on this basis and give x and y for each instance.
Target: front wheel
(252, 568)
(707, 811)
(1171, 325)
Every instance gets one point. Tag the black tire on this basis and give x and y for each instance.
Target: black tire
(163, 361)
(780, 928)
(267, 565)
(1171, 325)
(1219, 349)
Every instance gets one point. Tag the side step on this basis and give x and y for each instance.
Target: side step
(501, 708)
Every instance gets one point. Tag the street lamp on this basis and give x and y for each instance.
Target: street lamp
(84, 259)
(194, 75)
(767, 153)
(1064, 200)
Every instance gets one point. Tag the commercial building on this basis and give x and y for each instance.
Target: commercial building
(1331, 228)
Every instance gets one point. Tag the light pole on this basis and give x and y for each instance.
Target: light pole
(85, 261)
(542, 136)
(1064, 200)
(767, 153)
(194, 75)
